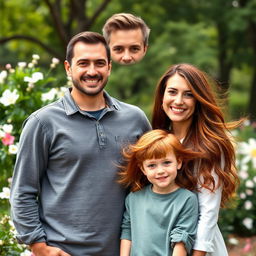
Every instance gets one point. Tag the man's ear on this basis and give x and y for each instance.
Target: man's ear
(109, 68)
(67, 67)
(145, 49)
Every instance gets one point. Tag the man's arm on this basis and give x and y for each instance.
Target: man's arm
(31, 162)
(42, 249)
(125, 247)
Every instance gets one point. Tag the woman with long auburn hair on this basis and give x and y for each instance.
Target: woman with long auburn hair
(186, 104)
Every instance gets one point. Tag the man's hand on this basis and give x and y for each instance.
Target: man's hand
(42, 249)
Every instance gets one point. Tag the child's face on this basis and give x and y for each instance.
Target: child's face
(162, 173)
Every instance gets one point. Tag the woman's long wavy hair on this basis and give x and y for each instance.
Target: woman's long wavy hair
(156, 144)
(208, 133)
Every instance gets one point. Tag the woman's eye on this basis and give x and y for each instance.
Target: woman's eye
(189, 95)
(172, 92)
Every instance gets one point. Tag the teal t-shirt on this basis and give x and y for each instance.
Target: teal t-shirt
(153, 222)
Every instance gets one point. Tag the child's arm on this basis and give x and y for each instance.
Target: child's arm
(199, 253)
(125, 247)
(179, 250)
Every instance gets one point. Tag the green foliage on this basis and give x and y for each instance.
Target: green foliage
(8, 243)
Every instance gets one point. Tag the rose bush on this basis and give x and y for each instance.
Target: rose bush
(23, 89)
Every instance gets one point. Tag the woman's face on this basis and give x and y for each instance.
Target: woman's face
(178, 101)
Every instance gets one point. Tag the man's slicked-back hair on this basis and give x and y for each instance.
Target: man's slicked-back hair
(125, 21)
(86, 37)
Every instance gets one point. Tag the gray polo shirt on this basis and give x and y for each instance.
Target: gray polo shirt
(64, 188)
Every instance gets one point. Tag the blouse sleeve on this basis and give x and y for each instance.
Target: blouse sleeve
(209, 205)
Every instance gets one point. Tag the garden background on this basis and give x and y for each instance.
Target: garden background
(218, 36)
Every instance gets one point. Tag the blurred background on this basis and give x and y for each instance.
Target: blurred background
(218, 36)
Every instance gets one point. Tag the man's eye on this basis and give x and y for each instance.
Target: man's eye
(135, 49)
(101, 64)
(82, 64)
(117, 49)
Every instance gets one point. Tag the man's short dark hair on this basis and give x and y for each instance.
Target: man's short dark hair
(87, 37)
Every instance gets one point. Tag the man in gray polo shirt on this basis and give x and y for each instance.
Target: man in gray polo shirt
(64, 198)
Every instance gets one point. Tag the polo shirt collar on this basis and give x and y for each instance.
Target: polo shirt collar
(71, 107)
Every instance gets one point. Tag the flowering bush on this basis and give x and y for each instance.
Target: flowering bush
(23, 89)
(240, 218)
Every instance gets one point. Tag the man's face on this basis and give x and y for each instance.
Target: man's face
(127, 46)
(89, 69)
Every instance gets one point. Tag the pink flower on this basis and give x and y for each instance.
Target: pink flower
(8, 139)
(248, 245)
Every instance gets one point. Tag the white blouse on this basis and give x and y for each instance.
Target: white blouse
(209, 237)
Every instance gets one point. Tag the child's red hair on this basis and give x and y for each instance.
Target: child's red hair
(156, 144)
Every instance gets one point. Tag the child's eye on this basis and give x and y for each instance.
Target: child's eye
(151, 166)
(167, 162)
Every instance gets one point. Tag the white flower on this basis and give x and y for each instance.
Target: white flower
(2, 134)
(242, 195)
(254, 179)
(31, 65)
(55, 61)
(247, 122)
(249, 184)
(249, 192)
(248, 223)
(243, 174)
(249, 150)
(35, 57)
(35, 77)
(9, 97)
(13, 149)
(61, 91)
(49, 95)
(5, 194)
(7, 128)
(3, 75)
(233, 241)
(26, 253)
(248, 205)
(22, 64)
(1, 242)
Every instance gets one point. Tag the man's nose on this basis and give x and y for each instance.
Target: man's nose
(127, 56)
(91, 70)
